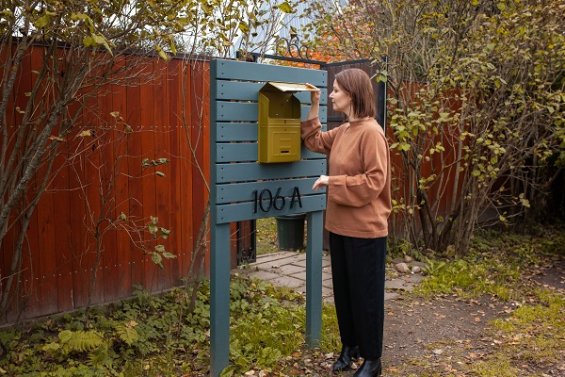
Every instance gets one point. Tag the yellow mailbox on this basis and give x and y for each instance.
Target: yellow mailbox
(279, 122)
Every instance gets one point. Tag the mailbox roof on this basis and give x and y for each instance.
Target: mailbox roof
(291, 87)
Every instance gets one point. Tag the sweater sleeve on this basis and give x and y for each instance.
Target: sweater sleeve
(359, 190)
(315, 139)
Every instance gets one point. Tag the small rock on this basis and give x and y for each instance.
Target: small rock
(402, 267)
(408, 259)
(416, 269)
(419, 264)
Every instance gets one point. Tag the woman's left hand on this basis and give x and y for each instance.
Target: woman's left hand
(324, 180)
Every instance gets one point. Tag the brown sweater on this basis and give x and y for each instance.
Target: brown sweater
(358, 194)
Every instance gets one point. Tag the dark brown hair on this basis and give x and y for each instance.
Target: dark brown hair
(357, 84)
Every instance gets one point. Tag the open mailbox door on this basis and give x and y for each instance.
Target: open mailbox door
(279, 122)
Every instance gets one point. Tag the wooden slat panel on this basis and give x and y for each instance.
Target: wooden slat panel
(244, 211)
(77, 201)
(198, 141)
(185, 164)
(162, 277)
(135, 171)
(249, 91)
(122, 287)
(237, 131)
(237, 70)
(248, 112)
(239, 192)
(107, 185)
(251, 171)
(148, 151)
(173, 87)
(236, 152)
(24, 83)
(240, 131)
(206, 148)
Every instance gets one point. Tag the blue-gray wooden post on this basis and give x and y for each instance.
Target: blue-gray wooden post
(236, 175)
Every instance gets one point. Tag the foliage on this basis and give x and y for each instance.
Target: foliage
(266, 236)
(223, 27)
(533, 332)
(476, 109)
(156, 335)
(75, 49)
(493, 266)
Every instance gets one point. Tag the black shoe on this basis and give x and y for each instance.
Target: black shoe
(370, 368)
(346, 357)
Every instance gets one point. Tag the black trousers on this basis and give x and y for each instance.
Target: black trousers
(358, 273)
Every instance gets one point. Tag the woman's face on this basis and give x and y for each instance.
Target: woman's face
(341, 101)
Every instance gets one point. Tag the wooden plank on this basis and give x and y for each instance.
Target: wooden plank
(236, 131)
(251, 171)
(63, 253)
(248, 111)
(240, 131)
(135, 171)
(197, 140)
(162, 277)
(249, 91)
(219, 298)
(148, 149)
(30, 256)
(122, 268)
(107, 186)
(238, 152)
(246, 71)
(245, 211)
(314, 278)
(92, 179)
(240, 192)
(185, 167)
(206, 148)
(173, 87)
(77, 201)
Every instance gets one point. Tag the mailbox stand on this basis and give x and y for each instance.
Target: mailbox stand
(242, 188)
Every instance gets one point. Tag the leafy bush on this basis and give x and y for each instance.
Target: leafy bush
(156, 335)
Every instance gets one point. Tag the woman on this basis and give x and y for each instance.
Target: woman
(358, 192)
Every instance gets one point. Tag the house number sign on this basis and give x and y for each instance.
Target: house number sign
(265, 201)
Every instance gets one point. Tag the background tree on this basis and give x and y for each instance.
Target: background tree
(83, 45)
(476, 110)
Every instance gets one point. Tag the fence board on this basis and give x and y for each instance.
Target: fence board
(123, 251)
(249, 91)
(240, 131)
(250, 171)
(148, 151)
(239, 192)
(134, 172)
(233, 70)
(248, 111)
(238, 152)
(241, 211)
(108, 258)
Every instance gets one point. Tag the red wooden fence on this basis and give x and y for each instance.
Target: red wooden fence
(102, 186)
(110, 182)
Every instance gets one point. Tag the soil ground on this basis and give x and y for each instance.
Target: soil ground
(438, 337)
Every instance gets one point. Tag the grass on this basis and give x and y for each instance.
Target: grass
(533, 333)
(266, 237)
(494, 265)
(156, 335)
